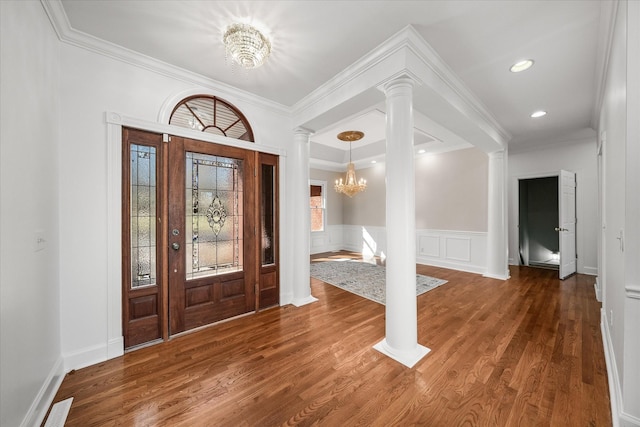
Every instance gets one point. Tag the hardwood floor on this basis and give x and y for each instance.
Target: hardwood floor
(522, 352)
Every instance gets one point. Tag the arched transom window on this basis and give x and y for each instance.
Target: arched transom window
(212, 115)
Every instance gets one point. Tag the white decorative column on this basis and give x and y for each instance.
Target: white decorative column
(497, 245)
(401, 320)
(301, 223)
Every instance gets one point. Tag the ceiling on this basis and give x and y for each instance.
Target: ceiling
(315, 40)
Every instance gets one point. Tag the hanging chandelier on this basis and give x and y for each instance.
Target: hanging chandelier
(246, 45)
(350, 185)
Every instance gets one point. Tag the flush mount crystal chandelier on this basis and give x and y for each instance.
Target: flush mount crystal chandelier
(246, 45)
(350, 185)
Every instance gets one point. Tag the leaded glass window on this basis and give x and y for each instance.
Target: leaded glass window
(143, 215)
(214, 217)
(268, 214)
(212, 115)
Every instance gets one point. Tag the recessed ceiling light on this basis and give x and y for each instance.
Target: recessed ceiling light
(519, 66)
(373, 161)
(422, 151)
(538, 114)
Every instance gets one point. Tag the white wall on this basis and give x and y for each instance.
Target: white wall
(452, 190)
(30, 362)
(619, 128)
(331, 238)
(368, 207)
(452, 182)
(92, 84)
(334, 201)
(575, 157)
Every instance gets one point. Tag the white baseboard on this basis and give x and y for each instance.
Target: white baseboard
(627, 420)
(86, 357)
(40, 406)
(615, 392)
(496, 276)
(451, 265)
(299, 302)
(591, 271)
(115, 348)
(286, 298)
(598, 288)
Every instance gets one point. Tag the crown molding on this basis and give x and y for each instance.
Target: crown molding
(67, 34)
(433, 61)
(406, 41)
(326, 165)
(523, 147)
(370, 60)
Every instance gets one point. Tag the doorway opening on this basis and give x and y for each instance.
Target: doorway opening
(539, 212)
(547, 222)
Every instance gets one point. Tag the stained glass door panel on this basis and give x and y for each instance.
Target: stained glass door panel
(210, 273)
(269, 289)
(214, 220)
(142, 177)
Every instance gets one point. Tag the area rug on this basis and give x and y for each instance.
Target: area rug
(364, 279)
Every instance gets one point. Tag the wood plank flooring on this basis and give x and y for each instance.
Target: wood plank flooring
(522, 352)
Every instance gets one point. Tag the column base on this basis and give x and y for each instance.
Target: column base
(497, 276)
(299, 302)
(408, 359)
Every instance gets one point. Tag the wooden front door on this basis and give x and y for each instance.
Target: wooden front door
(212, 229)
(199, 234)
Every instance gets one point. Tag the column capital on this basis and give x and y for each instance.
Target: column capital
(302, 131)
(499, 154)
(402, 80)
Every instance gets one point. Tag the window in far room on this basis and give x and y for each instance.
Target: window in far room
(317, 203)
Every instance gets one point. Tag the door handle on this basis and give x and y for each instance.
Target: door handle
(175, 246)
(561, 229)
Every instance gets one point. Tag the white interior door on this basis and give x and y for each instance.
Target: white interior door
(567, 226)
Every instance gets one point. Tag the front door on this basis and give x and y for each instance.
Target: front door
(199, 234)
(212, 233)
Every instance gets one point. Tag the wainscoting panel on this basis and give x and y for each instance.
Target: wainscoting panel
(429, 246)
(365, 239)
(331, 239)
(458, 250)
